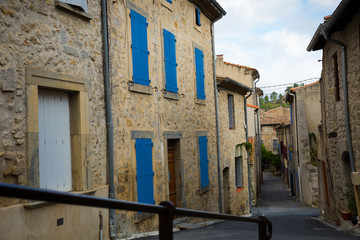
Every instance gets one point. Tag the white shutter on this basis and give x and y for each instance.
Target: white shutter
(79, 3)
(54, 141)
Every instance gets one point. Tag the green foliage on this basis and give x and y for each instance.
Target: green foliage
(266, 98)
(349, 195)
(247, 145)
(273, 96)
(270, 158)
(277, 100)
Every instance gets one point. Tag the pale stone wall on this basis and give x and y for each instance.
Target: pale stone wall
(268, 133)
(157, 114)
(229, 139)
(38, 35)
(333, 117)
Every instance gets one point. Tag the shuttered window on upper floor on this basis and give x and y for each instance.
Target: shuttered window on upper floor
(139, 47)
(79, 3)
(170, 62)
(197, 16)
(204, 162)
(144, 171)
(169, 1)
(200, 76)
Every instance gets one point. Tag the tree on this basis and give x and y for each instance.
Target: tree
(280, 96)
(273, 96)
(266, 98)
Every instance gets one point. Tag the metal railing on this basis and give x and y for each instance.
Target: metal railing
(166, 210)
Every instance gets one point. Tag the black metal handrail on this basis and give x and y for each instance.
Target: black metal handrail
(166, 210)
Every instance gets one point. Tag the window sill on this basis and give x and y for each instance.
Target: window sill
(200, 101)
(73, 10)
(135, 87)
(171, 95)
(204, 190)
(39, 204)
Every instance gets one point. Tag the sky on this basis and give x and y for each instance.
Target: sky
(272, 36)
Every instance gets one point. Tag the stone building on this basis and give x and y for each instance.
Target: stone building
(236, 90)
(283, 133)
(339, 155)
(162, 95)
(305, 109)
(53, 131)
(163, 100)
(269, 121)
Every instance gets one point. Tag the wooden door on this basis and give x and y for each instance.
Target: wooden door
(172, 177)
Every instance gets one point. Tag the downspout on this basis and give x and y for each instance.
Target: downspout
(297, 144)
(346, 107)
(257, 143)
(217, 119)
(248, 156)
(109, 121)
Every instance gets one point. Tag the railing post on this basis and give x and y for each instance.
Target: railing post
(166, 222)
(265, 229)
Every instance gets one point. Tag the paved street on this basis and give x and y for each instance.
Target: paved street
(290, 220)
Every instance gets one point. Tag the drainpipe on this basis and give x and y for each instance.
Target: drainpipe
(109, 121)
(217, 119)
(297, 143)
(258, 142)
(346, 107)
(248, 156)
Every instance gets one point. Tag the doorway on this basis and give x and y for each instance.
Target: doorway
(175, 173)
(226, 184)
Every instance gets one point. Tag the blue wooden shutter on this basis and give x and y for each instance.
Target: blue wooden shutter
(144, 171)
(79, 3)
(169, 1)
(170, 62)
(200, 84)
(139, 46)
(204, 162)
(197, 12)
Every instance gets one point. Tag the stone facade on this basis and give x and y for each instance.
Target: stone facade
(232, 138)
(335, 165)
(51, 45)
(305, 111)
(269, 121)
(173, 121)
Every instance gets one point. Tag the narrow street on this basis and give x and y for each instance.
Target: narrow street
(289, 218)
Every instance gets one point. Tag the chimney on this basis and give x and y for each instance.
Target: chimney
(220, 56)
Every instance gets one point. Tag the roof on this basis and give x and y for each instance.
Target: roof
(252, 106)
(232, 85)
(338, 20)
(210, 8)
(255, 72)
(289, 96)
(275, 116)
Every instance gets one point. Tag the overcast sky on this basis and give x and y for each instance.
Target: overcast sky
(272, 36)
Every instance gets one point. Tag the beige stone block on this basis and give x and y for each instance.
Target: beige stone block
(355, 178)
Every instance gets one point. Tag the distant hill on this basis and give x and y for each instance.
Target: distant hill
(275, 101)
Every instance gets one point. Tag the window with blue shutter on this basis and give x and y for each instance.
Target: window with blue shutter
(170, 62)
(139, 46)
(199, 68)
(78, 3)
(197, 16)
(204, 162)
(144, 171)
(169, 1)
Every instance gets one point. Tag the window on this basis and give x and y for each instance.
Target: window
(275, 144)
(238, 172)
(231, 111)
(197, 16)
(199, 70)
(144, 171)
(139, 48)
(54, 141)
(170, 62)
(337, 80)
(78, 3)
(204, 163)
(169, 1)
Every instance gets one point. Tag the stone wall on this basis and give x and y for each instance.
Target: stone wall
(334, 136)
(37, 36)
(160, 113)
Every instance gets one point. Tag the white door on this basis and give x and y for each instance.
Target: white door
(54, 140)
